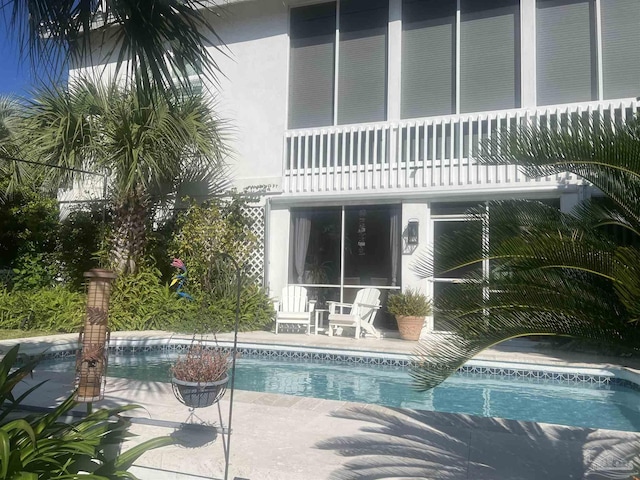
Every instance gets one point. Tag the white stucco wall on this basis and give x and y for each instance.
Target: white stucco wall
(418, 210)
(253, 87)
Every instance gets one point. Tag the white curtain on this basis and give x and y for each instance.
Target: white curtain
(301, 232)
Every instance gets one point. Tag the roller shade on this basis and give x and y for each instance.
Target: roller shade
(428, 58)
(566, 65)
(489, 55)
(620, 48)
(362, 70)
(312, 65)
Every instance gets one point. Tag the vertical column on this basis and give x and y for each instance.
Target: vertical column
(92, 361)
(528, 53)
(414, 211)
(600, 74)
(457, 33)
(394, 73)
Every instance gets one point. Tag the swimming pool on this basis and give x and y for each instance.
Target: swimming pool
(577, 403)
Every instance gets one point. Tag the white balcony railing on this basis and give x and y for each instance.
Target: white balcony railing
(429, 153)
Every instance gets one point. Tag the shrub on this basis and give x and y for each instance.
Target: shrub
(54, 309)
(141, 302)
(35, 271)
(409, 303)
(205, 230)
(82, 242)
(28, 224)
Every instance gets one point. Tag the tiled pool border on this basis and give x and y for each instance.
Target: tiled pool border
(543, 373)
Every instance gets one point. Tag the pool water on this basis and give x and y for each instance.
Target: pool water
(565, 403)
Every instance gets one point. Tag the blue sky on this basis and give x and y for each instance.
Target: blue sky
(15, 77)
(15, 73)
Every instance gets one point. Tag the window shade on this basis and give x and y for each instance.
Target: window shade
(362, 70)
(620, 48)
(566, 66)
(428, 58)
(312, 65)
(489, 55)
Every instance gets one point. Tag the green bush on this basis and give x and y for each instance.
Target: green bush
(82, 238)
(54, 309)
(409, 303)
(28, 224)
(205, 230)
(218, 313)
(141, 302)
(35, 271)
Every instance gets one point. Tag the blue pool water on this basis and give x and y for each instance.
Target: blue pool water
(598, 406)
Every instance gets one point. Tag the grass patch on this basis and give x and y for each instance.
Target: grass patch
(8, 334)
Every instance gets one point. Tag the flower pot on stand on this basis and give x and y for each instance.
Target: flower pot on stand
(199, 394)
(410, 327)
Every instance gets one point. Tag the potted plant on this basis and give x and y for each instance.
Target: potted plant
(200, 377)
(410, 309)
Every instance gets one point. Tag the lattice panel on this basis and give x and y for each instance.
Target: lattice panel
(254, 260)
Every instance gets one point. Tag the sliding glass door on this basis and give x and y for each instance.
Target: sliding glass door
(335, 251)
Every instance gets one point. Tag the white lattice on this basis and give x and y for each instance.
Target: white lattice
(254, 260)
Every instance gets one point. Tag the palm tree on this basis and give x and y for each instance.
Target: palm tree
(573, 274)
(156, 42)
(13, 175)
(147, 144)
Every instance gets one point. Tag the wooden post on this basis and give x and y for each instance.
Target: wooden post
(92, 359)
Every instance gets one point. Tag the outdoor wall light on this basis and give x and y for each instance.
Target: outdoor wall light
(412, 232)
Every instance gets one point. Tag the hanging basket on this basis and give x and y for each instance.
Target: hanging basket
(199, 394)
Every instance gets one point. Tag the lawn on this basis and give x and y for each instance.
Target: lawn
(17, 333)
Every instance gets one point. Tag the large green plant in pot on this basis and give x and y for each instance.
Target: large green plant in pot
(410, 309)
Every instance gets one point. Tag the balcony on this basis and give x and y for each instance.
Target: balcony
(428, 154)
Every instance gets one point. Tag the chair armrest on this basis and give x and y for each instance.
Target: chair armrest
(276, 305)
(333, 305)
(370, 306)
(312, 305)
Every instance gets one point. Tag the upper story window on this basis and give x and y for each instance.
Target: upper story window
(483, 59)
(357, 31)
(620, 48)
(566, 51)
(458, 56)
(312, 65)
(570, 34)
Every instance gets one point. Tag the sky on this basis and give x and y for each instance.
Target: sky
(14, 75)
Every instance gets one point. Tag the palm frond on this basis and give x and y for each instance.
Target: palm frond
(135, 34)
(550, 273)
(602, 151)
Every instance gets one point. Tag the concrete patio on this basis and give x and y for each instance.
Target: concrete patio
(282, 437)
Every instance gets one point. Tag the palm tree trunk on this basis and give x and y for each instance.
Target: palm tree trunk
(128, 240)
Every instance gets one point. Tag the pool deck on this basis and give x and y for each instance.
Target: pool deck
(283, 437)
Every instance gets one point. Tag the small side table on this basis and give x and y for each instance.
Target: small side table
(320, 318)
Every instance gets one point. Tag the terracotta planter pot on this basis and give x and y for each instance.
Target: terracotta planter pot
(410, 327)
(199, 395)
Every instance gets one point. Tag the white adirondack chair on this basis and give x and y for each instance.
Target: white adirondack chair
(294, 308)
(361, 313)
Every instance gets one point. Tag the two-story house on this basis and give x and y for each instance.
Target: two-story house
(364, 116)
